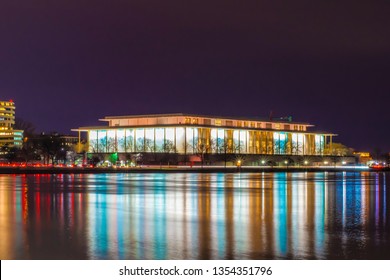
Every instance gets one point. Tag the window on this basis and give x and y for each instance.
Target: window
(218, 122)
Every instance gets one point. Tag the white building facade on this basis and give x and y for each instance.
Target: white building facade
(192, 134)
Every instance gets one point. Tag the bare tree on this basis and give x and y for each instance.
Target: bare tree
(226, 147)
(140, 146)
(93, 146)
(27, 127)
(296, 148)
(337, 149)
(169, 147)
(112, 145)
(149, 146)
(202, 147)
(126, 144)
(50, 147)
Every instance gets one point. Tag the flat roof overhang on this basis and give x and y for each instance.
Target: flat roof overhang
(252, 119)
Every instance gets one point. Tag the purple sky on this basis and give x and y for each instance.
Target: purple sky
(68, 63)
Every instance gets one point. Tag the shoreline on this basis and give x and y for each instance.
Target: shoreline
(180, 169)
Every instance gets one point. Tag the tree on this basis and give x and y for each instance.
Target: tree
(112, 145)
(50, 147)
(106, 145)
(27, 127)
(296, 147)
(29, 150)
(337, 149)
(140, 144)
(126, 144)
(9, 153)
(202, 147)
(93, 146)
(226, 148)
(169, 147)
(149, 146)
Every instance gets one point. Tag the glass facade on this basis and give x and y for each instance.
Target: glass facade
(192, 140)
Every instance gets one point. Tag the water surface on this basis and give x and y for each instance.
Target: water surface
(195, 216)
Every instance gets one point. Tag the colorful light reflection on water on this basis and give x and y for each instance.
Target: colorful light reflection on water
(195, 216)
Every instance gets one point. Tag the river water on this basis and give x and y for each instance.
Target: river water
(281, 215)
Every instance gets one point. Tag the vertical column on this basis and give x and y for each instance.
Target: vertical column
(144, 148)
(165, 140)
(106, 140)
(224, 141)
(154, 140)
(79, 145)
(116, 140)
(247, 142)
(135, 140)
(331, 144)
(185, 142)
(174, 139)
(239, 142)
(125, 141)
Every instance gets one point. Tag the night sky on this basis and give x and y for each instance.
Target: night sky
(68, 63)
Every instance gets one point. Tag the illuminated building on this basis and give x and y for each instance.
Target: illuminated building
(8, 135)
(68, 140)
(187, 134)
(363, 157)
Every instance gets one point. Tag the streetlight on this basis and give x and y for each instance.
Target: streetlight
(238, 165)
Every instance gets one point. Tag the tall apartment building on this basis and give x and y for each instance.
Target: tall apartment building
(8, 135)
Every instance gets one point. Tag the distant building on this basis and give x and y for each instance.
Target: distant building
(187, 134)
(69, 140)
(65, 141)
(363, 157)
(8, 135)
